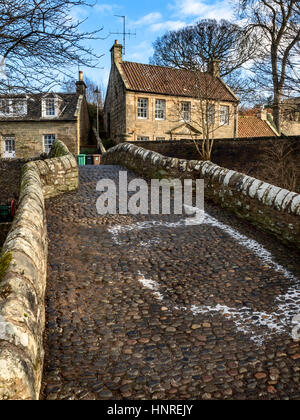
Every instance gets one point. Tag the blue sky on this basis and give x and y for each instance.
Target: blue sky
(150, 19)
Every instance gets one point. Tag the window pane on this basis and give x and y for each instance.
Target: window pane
(160, 109)
(224, 115)
(186, 111)
(4, 106)
(9, 144)
(143, 138)
(12, 107)
(50, 107)
(18, 106)
(49, 139)
(142, 108)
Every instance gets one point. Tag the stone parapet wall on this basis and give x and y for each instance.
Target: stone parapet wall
(23, 267)
(59, 174)
(270, 208)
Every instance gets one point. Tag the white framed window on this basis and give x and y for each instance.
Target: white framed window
(9, 147)
(13, 107)
(19, 106)
(143, 138)
(50, 107)
(160, 109)
(210, 113)
(143, 108)
(186, 111)
(224, 115)
(49, 139)
(4, 106)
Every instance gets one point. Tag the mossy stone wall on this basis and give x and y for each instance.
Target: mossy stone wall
(23, 268)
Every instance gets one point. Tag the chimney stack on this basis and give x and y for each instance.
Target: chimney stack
(214, 68)
(80, 85)
(262, 114)
(116, 52)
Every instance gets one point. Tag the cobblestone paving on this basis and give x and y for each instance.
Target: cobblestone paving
(137, 310)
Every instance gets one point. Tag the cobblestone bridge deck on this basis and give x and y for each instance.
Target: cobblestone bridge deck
(164, 310)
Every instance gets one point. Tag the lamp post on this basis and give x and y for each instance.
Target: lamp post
(96, 91)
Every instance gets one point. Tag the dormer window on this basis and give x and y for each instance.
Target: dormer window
(4, 107)
(50, 107)
(13, 107)
(19, 106)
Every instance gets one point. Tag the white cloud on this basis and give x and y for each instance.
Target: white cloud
(149, 19)
(169, 25)
(203, 9)
(140, 52)
(105, 9)
(155, 23)
(78, 13)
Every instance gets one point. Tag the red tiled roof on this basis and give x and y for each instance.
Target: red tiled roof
(251, 126)
(254, 111)
(176, 82)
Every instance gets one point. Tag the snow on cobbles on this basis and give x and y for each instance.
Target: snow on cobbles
(258, 325)
(152, 285)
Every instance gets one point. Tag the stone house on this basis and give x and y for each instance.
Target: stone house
(256, 124)
(290, 109)
(145, 102)
(29, 124)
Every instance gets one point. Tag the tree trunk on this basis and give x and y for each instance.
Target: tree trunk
(277, 110)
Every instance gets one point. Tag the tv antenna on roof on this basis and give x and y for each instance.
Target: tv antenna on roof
(124, 33)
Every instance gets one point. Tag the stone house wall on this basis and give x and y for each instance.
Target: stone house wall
(23, 267)
(291, 128)
(153, 128)
(115, 107)
(270, 208)
(29, 135)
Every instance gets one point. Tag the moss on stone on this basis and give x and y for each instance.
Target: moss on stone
(5, 261)
(59, 150)
(38, 360)
(161, 174)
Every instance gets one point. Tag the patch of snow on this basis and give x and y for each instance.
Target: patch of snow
(151, 285)
(287, 305)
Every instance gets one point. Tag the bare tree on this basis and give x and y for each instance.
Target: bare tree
(40, 39)
(94, 91)
(279, 165)
(205, 114)
(277, 24)
(195, 46)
